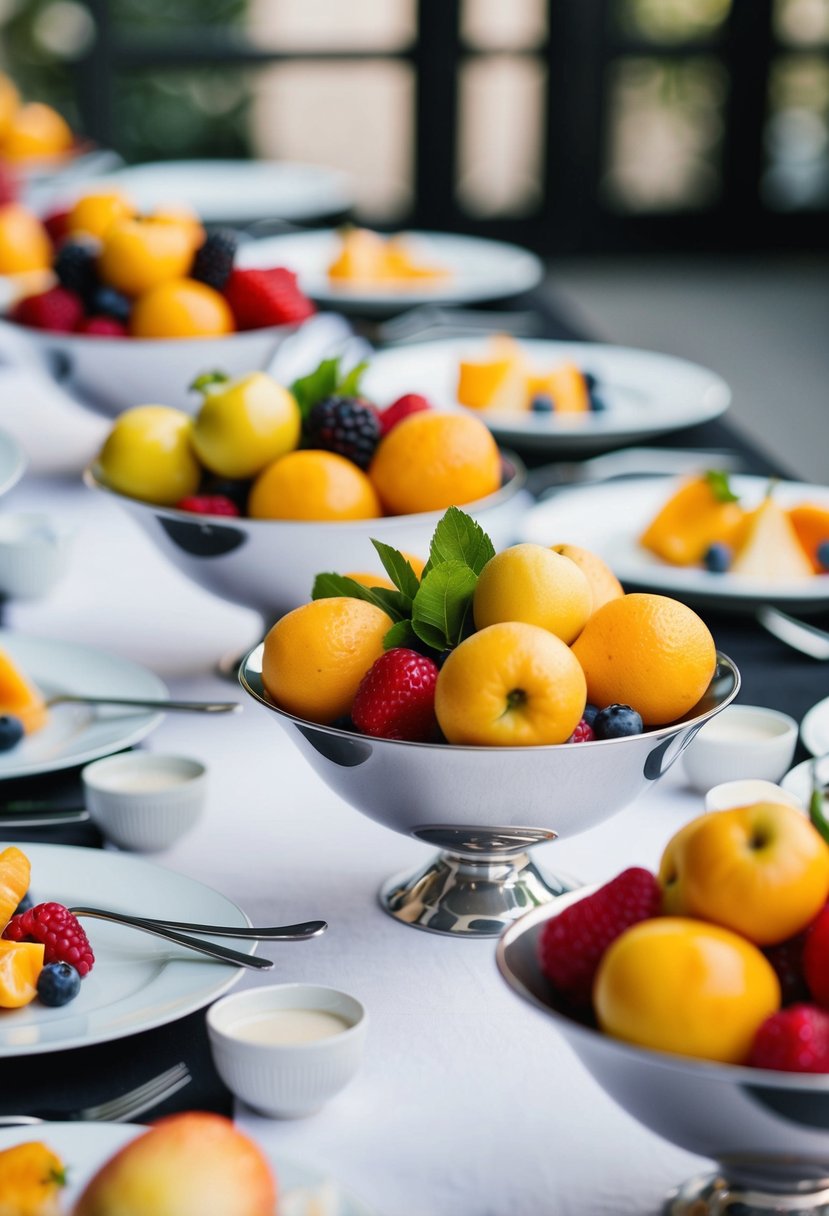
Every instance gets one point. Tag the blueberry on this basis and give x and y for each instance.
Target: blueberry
(616, 722)
(590, 712)
(58, 984)
(717, 558)
(542, 404)
(24, 905)
(11, 732)
(590, 380)
(823, 554)
(106, 301)
(597, 402)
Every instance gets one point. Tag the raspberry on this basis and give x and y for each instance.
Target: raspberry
(214, 261)
(345, 425)
(787, 960)
(266, 297)
(793, 1040)
(583, 733)
(816, 958)
(571, 945)
(208, 504)
(410, 403)
(74, 266)
(57, 226)
(57, 309)
(58, 930)
(396, 697)
(102, 327)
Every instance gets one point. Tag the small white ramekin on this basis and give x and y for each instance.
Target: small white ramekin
(293, 1080)
(741, 742)
(34, 554)
(743, 793)
(144, 801)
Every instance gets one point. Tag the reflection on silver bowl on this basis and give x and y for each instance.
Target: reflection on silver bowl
(484, 807)
(768, 1132)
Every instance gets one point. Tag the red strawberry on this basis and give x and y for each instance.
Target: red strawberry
(816, 958)
(209, 504)
(793, 1040)
(409, 403)
(102, 327)
(56, 225)
(8, 184)
(56, 309)
(571, 945)
(583, 733)
(787, 960)
(58, 930)
(266, 297)
(396, 697)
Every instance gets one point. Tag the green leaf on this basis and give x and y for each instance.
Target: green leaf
(208, 380)
(720, 486)
(398, 569)
(458, 538)
(442, 604)
(398, 606)
(328, 585)
(349, 386)
(316, 386)
(401, 634)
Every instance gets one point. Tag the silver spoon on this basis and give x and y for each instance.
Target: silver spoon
(276, 933)
(197, 707)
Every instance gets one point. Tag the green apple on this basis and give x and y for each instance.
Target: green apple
(148, 454)
(244, 424)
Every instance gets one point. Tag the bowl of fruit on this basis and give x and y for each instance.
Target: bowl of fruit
(698, 999)
(266, 486)
(487, 705)
(122, 307)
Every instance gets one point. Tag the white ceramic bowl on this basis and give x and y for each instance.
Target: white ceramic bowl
(34, 554)
(286, 1081)
(745, 792)
(269, 564)
(744, 741)
(144, 801)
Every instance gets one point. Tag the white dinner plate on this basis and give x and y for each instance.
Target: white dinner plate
(798, 780)
(232, 191)
(12, 462)
(75, 734)
(814, 729)
(85, 1147)
(138, 981)
(478, 270)
(609, 518)
(646, 394)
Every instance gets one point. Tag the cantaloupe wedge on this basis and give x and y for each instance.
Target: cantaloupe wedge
(360, 257)
(693, 519)
(565, 386)
(19, 697)
(20, 965)
(811, 523)
(770, 548)
(15, 873)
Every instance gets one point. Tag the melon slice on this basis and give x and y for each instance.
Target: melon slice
(15, 873)
(770, 549)
(565, 386)
(19, 697)
(693, 519)
(811, 523)
(20, 965)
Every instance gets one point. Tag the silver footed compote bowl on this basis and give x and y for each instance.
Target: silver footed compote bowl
(485, 807)
(767, 1132)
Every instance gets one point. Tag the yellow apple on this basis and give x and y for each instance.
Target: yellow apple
(148, 455)
(194, 1164)
(761, 870)
(532, 584)
(245, 424)
(604, 585)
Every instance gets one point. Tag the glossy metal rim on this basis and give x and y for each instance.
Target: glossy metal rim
(45, 338)
(18, 462)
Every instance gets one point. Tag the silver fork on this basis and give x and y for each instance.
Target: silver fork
(117, 1110)
(808, 639)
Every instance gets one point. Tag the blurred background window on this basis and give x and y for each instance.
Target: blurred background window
(567, 125)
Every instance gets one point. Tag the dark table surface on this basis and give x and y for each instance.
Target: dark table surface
(772, 673)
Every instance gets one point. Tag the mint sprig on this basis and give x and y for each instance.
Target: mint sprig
(443, 604)
(459, 538)
(326, 380)
(720, 486)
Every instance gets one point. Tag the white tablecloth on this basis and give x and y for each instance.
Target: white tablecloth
(468, 1103)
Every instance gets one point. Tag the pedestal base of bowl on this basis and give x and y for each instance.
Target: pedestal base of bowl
(462, 896)
(713, 1195)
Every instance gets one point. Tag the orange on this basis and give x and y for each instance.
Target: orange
(604, 585)
(31, 1178)
(139, 254)
(510, 685)
(20, 965)
(532, 584)
(185, 217)
(811, 524)
(316, 656)
(14, 882)
(308, 484)
(36, 132)
(434, 460)
(648, 651)
(181, 308)
(24, 242)
(366, 579)
(19, 697)
(690, 522)
(9, 103)
(95, 213)
(685, 987)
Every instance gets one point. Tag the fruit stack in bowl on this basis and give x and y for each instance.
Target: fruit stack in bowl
(722, 956)
(119, 274)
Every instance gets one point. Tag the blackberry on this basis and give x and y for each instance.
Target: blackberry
(214, 261)
(74, 266)
(348, 426)
(107, 302)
